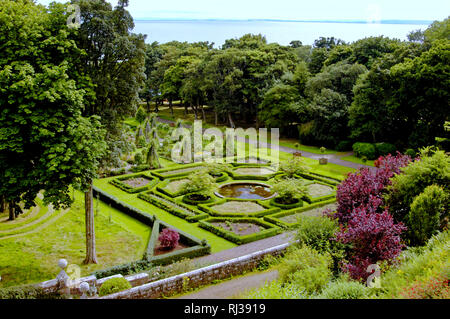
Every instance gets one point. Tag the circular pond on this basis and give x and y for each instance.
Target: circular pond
(245, 191)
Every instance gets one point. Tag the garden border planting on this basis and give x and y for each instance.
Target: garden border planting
(320, 178)
(267, 177)
(267, 211)
(118, 182)
(160, 172)
(198, 247)
(175, 208)
(162, 187)
(270, 229)
(286, 206)
(311, 199)
(275, 219)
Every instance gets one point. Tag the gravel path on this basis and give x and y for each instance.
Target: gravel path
(233, 288)
(246, 249)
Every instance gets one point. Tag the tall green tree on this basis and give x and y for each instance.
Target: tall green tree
(45, 142)
(113, 60)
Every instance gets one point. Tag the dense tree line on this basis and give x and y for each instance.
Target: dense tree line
(373, 90)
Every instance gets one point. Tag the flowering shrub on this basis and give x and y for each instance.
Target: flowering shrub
(434, 288)
(373, 237)
(366, 188)
(169, 238)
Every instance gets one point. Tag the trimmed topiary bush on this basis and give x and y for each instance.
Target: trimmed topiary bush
(426, 213)
(384, 149)
(410, 152)
(114, 285)
(365, 149)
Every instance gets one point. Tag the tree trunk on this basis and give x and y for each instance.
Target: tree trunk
(148, 106)
(2, 204)
(216, 118)
(91, 257)
(230, 119)
(12, 211)
(195, 112)
(203, 113)
(171, 106)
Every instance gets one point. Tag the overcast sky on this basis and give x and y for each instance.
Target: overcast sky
(288, 9)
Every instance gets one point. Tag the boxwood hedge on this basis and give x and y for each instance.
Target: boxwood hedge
(198, 247)
(270, 229)
(166, 203)
(211, 211)
(124, 207)
(176, 171)
(275, 218)
(118, 182)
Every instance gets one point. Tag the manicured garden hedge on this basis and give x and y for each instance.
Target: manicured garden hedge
(320, 178)
(365, 149)
(193, 215)
(162, 187)
(118, 182)
(221, 178)
(189, 201)
(275, 219)
(267, 211)
(199, 247)
(166, 172)
(124, 269)
(372, 151)
(270, 229)
(311, 199)
(123, 207)
(273, 202)
(237, 163)
(237, 176)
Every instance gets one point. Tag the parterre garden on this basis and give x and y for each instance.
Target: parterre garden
(211, 224)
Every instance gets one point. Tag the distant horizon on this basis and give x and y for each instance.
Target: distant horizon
(416, 11)
(387, 21)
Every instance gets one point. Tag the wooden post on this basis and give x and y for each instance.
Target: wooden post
(91, 256)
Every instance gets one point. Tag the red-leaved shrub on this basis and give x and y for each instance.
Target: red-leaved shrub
(372, 237)
(169, 238)
(365, 188)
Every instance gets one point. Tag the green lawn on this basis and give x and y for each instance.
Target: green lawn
(357, 160)
(33, 255)
(217, 243)
(304, 148)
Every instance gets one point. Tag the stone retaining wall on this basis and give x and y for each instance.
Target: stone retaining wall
(199, 277)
